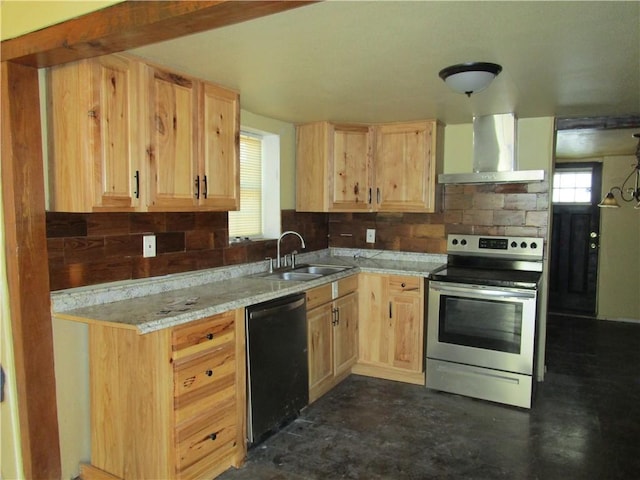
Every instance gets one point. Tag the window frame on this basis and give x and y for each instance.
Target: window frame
(270, 187)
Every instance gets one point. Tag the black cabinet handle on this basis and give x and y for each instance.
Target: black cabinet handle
(403, 284)
(390, 311)
(369, 202)
(213, 436)
(209, 336)
(197, 185)
(209, 373)
(378, 194)
(136, 192)
(204, 193)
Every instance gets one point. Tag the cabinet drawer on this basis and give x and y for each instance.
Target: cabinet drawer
(318, 296)
(203, 334)
(347, 285)
(200, 439)
(197, 403)
(204, 369)
(398, 284)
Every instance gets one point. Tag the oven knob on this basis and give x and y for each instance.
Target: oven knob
(454, 241)
(463, 242)
(523, 245)
(514, 244)
(534, 245)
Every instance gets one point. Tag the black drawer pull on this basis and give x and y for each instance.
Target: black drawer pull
(213, 436)
(403, 284)
(209, 373)
(209, 336)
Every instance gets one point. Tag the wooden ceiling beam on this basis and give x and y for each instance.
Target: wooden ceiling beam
(132, 24)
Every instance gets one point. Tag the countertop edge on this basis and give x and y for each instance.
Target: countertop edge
(262, 290)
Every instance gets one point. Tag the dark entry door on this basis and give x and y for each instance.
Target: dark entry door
(574, 247)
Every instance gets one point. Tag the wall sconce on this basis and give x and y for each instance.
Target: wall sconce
(470, 77)
(609, 200)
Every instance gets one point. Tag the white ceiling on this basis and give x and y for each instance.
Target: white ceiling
(378, 61)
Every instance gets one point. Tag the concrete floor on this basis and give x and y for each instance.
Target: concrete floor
(585, 423)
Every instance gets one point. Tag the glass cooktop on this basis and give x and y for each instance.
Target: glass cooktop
(480, 276)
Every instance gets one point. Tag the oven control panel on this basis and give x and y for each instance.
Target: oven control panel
(488, 245)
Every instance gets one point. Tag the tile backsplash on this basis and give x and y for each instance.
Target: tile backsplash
(91, 248)
(86, 249)
(517, 209)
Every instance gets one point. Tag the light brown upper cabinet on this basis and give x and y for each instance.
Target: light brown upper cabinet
(95, 143)
(407, 161)
(352, 168)
(127, 136)
(194, 150)
(333, 167)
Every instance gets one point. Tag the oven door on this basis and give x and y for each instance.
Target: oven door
(491, 327)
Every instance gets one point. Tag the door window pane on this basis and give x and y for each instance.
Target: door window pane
(572, 186)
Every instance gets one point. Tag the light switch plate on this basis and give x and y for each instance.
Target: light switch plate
(148, 245)
(371, 235)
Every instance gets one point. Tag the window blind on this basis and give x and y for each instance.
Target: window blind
(247, 222)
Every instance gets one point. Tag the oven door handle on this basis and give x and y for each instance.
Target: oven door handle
(504, 294)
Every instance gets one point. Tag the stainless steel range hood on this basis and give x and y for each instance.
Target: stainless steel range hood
(494, 154)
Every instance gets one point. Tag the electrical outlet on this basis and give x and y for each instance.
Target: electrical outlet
(148, 245)
(371, 235)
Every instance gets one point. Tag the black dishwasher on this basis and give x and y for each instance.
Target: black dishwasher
(277, 364)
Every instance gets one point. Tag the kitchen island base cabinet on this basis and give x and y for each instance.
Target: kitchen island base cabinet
(167, 404)
(391, 329)
(332, 329)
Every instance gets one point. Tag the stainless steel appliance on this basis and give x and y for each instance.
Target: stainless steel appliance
(482, 313)
(277, 365)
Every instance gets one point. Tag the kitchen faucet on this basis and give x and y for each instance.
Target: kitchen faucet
(278, 261)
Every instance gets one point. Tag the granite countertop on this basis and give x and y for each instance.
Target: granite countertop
(148, 305)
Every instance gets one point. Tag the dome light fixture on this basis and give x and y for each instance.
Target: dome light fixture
(470, 77)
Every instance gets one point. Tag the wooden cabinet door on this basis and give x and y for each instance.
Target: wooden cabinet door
(406, 331)
(373, 331)
(350, 175)
(312, 167)
(404, 177)
(95, 146)
(172, 153)
(320, 345)
(406, 322)
(219, 174)
(345, 333)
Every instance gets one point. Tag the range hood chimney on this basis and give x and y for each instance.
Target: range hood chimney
(494, 154)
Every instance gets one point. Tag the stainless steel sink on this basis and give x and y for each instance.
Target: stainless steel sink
(290, 275)
(320, 269)
(302, 273)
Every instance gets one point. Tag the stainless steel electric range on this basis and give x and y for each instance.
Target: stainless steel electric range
(482, 314)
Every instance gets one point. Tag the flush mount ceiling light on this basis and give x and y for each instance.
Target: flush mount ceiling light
(609, 201)
(470, 77)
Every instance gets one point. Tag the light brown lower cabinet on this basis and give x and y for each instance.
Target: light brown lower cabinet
(168, 404)
(332, 328)
(391, 327)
